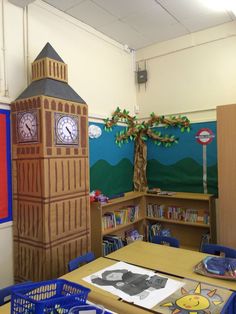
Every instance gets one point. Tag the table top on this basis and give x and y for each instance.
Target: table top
(98, 296)
(169, 260)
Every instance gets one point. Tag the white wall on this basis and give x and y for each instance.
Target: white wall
(12, 69)
(6, 256)
(100, 70)
(192, 74)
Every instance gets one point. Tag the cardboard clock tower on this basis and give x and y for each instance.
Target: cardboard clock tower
(50, 172)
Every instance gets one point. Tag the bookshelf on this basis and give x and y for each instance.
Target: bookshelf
(187, 215)
(188, 229)
(98, 211)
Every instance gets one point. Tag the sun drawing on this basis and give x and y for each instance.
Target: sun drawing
(196, 301)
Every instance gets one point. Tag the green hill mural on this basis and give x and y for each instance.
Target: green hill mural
(112, 179)
(185, 176)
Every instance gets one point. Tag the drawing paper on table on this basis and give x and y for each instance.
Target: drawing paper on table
(134, 284)
(194, 298)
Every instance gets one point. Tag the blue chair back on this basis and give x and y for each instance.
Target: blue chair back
(5, 293)
(78, 261)
(230, 305)
(216, 249)
(162, 240)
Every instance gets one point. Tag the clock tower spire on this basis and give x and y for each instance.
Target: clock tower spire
(49, 64)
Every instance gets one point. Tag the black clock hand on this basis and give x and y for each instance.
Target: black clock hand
(69, 132)
(28, 128)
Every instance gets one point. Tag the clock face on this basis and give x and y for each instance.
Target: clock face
(66, 129)
(27, 127)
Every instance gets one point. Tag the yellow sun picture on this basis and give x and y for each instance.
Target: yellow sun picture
(193, 302)
(197, 301)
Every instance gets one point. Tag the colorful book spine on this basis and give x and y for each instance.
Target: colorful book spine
(108, 220)
(177, 213)
(111, 243)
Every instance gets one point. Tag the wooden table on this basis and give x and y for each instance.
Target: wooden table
(169, 260)
(172, 261)
(98, 296)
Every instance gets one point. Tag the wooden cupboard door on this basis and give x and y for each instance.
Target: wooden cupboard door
(226, 146)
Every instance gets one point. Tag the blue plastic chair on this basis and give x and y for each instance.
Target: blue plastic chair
(163, 239)
(5, 293)
(78, 261)
(216, 249)
(230, 305)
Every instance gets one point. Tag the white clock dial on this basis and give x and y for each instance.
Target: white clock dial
(67, 130)
(27, 127)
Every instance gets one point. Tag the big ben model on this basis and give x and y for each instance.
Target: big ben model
(50, 172)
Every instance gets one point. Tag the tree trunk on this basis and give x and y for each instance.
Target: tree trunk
(140, 165)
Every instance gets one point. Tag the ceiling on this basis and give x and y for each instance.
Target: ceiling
(140, 23)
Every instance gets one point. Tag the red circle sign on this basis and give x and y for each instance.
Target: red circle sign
(204, 136)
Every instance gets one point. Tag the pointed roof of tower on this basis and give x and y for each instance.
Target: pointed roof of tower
(49, 52)
(51, 78)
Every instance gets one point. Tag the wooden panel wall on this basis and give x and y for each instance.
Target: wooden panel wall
(226, 145)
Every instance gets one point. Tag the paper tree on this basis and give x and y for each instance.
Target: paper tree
(139, 132)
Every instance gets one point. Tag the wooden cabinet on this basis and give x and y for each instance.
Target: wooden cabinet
(187, 215)
(226, 147)
(189, 233)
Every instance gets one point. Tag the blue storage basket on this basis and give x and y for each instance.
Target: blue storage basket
(52, 296)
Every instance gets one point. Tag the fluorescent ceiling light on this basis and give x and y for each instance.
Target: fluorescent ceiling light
(221, 5)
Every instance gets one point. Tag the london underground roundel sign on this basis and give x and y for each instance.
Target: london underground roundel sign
(204, 136)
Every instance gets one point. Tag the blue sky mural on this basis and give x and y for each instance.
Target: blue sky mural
(178, 168)
(186, 147)
(111, 166)
(105, 147)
